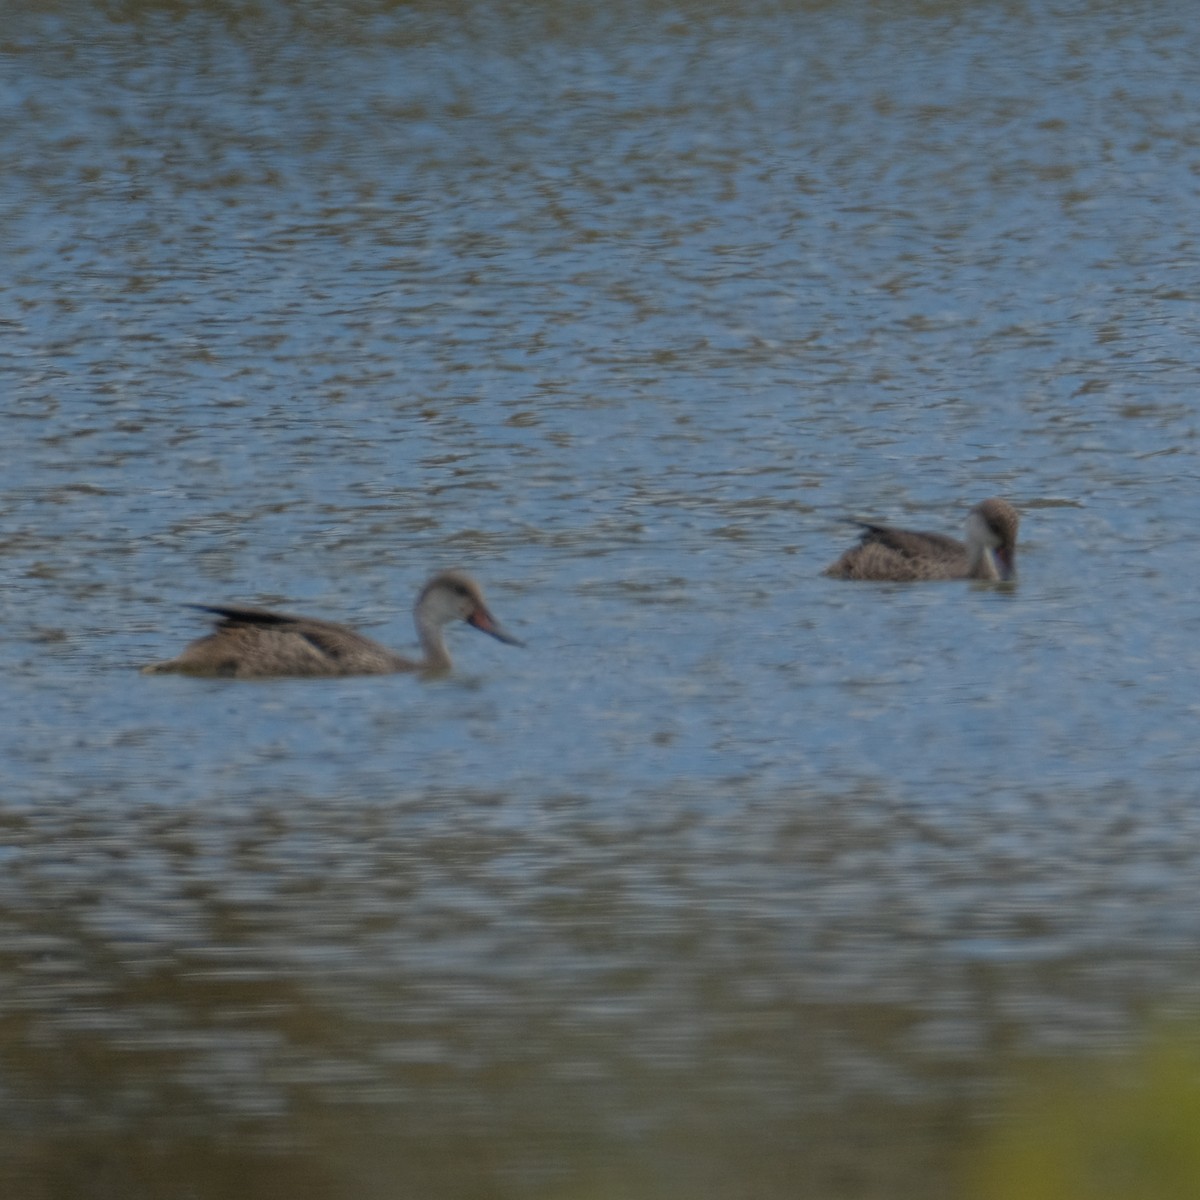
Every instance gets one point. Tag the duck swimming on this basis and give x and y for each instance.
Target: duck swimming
(255, 643)
(906, 555)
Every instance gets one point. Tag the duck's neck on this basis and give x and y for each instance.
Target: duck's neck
(436, 658)
(981, 563)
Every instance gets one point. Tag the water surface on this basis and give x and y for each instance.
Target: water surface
(737, 880)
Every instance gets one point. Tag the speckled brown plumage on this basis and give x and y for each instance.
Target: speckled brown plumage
(906, 555)
(255, 643)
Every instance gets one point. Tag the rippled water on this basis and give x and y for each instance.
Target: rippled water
(737, 880)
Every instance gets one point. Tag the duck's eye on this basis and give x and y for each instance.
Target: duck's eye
(460, 590)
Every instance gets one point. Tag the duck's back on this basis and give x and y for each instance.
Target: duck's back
(901, 555)
(255, 643)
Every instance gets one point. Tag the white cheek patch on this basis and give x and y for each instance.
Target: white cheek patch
(982, 543)
(980, 532)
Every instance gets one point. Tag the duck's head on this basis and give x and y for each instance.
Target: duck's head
(455, 596)
(992, 528)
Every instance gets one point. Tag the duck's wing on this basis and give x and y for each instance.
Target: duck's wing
(885, 553)
(244, 614)
(912, 543)
(341, 650)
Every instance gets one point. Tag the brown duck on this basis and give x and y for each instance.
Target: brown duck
(254, 643)
(905, 555)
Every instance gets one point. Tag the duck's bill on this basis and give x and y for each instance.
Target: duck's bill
(1006, 568)
(483, 620)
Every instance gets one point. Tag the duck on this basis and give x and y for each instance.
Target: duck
(256, 643)
(907, 555)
